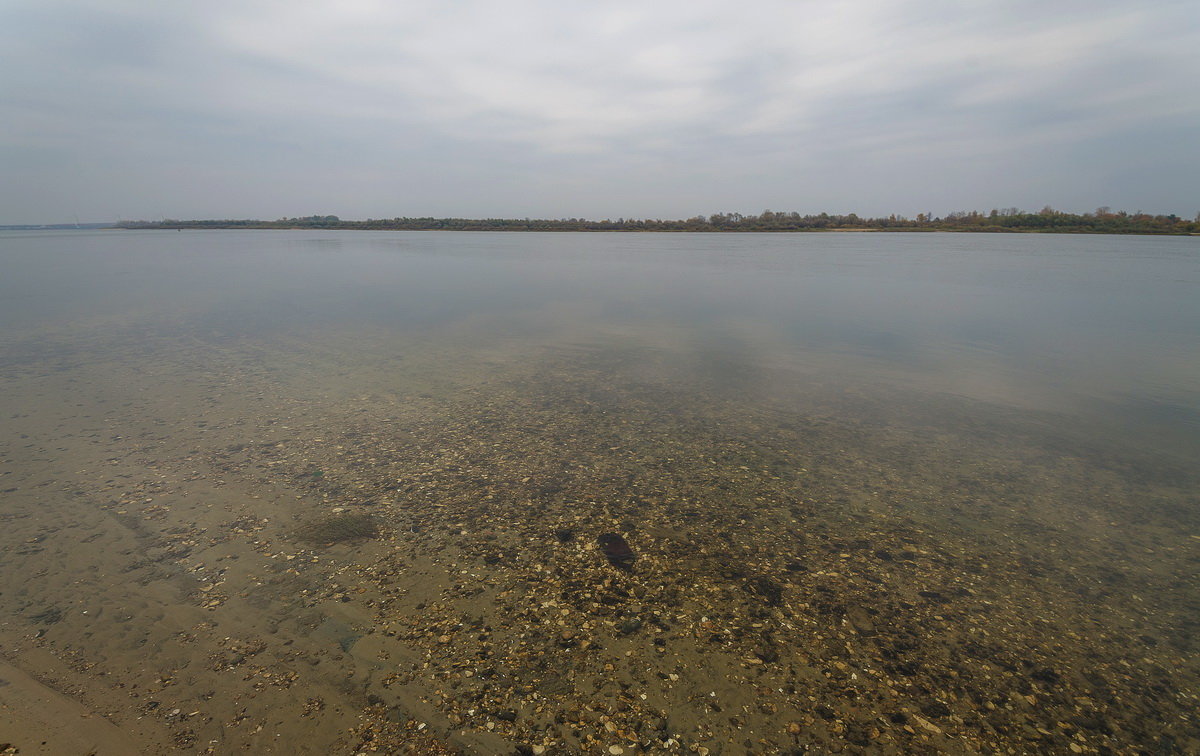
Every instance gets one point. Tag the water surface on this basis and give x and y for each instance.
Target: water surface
(888, 492)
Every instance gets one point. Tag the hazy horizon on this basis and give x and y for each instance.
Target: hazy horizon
(596, 110)
(934, 216)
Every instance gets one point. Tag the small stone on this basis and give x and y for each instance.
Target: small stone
(630, 626)
(860, 619)
(616, 750)
(930, 726)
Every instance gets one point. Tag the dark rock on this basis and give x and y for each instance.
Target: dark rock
(768, 589)
(629, 626)
(564, 535)
(1093, 722)
(857, 735)
(1046, 675)
(860, 620)
(935, 709)
(617, 551)
(730, 568)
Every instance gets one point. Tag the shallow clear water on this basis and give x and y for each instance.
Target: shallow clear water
(831, 452)
(1103, 327)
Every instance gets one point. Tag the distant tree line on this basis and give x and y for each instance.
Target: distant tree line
(55, 226)
(1048, 220)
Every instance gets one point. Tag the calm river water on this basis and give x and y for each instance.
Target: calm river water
(296, 491)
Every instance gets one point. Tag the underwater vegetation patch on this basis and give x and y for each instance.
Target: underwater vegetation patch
(338, 528)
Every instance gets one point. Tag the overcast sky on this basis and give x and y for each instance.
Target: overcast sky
(242, 108)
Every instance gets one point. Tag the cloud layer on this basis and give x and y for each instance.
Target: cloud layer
(363, 108)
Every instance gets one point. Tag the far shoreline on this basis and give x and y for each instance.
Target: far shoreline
(1061, 232)
(1011, 220)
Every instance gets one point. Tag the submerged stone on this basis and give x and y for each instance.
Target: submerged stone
(769, 590)
(629, 626)
(860, 619)
(617, 550)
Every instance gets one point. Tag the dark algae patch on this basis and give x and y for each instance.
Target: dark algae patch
(338, 528)
(48, 616)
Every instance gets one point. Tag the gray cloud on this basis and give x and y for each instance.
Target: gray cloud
(119, 108)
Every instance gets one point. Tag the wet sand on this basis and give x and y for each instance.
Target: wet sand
(367, 545)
